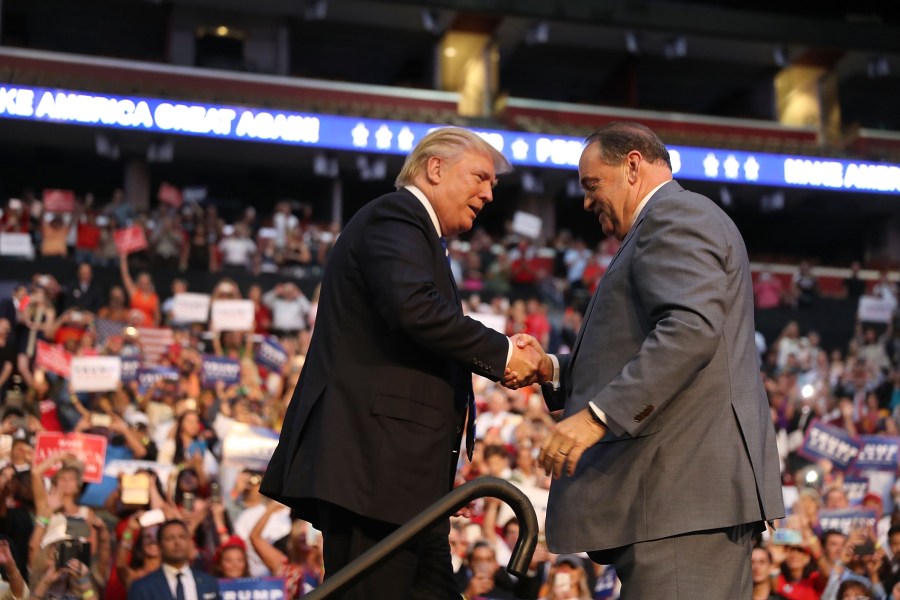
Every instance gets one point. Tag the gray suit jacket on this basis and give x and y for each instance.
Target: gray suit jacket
(667, 350)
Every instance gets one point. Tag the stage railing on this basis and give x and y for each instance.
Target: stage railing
(431, 516)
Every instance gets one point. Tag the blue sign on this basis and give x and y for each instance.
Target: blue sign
(271, 355)
(334, 132)
(219, 368)
(832, 443)
(846, 519)
(130, 368)
(878, 453)
(257, 588)
(148, 376)
(856, 488)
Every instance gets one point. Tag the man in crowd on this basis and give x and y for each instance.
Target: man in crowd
(665, 462)
(175, 578)
(372, 434)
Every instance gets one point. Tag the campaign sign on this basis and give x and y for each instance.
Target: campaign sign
(190, 308)
(846, 519)
(873, 309)
(147, 376)
(232, 315)
(130, 239)
(16, 244)
(606, 583)
(53, 359)
(527, 224)
(95, 373)
(878, 453)
(219, 368)
(271, 355)
(255, 588)
(832, 443)
(130, 367)
(59, 201)
(169, 194)
(856, 488)
(90, 450)
(250, 447)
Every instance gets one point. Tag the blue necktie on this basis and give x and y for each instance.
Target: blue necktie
(446, 251)
(179, 587)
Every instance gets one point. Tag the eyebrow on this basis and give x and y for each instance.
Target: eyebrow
(585, 181)
(486, 176)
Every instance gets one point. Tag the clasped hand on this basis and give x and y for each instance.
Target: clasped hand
(529, 363)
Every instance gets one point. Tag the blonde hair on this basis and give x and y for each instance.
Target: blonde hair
(447, 143)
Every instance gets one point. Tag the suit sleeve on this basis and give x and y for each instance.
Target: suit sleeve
(679, 269)
(397, 261)
(556, 398)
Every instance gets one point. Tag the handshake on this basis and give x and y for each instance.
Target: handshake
(529, 363)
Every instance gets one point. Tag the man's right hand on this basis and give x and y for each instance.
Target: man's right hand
(529, 363)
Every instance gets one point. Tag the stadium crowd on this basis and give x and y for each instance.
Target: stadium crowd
(185, 445)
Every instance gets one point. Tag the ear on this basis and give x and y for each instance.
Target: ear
(433, 169)
(632, 165)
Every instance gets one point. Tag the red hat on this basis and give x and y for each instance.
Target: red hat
(872, 497)
(233, 541)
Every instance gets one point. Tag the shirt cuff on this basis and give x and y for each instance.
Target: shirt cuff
(509, 352)
(554, 381)
(598, 412)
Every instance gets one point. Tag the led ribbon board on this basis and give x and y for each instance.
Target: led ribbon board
(332, 132)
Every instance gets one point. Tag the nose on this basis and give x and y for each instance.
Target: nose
(487, 192)
(588, 203)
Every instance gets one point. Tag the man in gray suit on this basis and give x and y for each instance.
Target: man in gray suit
(665, 462)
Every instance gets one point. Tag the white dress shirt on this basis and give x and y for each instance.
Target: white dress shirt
(187, 581)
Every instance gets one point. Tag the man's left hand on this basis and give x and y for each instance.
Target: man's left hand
(564, 447)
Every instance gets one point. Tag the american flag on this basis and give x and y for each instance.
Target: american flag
(154, 343)
(106, 328)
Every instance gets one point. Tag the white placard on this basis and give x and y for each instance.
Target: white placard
(873, 309)
(527, 224)
(16, 244)
(190, 308)
(232, 315)
(495, 322)
(95, 373)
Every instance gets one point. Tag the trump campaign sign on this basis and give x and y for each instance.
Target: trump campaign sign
(53, 358)
(59, 201)
(90, 450)
(271, 355)
(232, 315)
(846, 519)
(878, 453)
(252, 588)
(219, 368)
(190, 308)
(831, 443)
(130, 239)
(95, 373)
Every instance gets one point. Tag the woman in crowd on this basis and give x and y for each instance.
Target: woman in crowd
(141, 294)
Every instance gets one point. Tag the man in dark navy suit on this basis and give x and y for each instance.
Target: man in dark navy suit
(373, 432)
(175, 579)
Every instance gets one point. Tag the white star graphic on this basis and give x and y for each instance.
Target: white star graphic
(405, 139)
(732, 167)
(751, 169)
(360, 136)
(520, 149)
(711, 165)
(675, 159)
(383, 137)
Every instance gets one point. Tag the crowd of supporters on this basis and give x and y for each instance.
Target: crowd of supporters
(180, 446)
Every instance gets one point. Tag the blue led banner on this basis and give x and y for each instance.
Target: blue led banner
(331, 132)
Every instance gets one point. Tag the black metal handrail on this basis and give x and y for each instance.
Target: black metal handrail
(431, 516)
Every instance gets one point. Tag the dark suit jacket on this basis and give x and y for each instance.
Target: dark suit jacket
(667, 351)
(154, 586)
(90, 299)
(380, 405)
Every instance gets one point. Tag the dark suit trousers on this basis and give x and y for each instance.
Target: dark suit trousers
(421, 570)
(713, 565)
